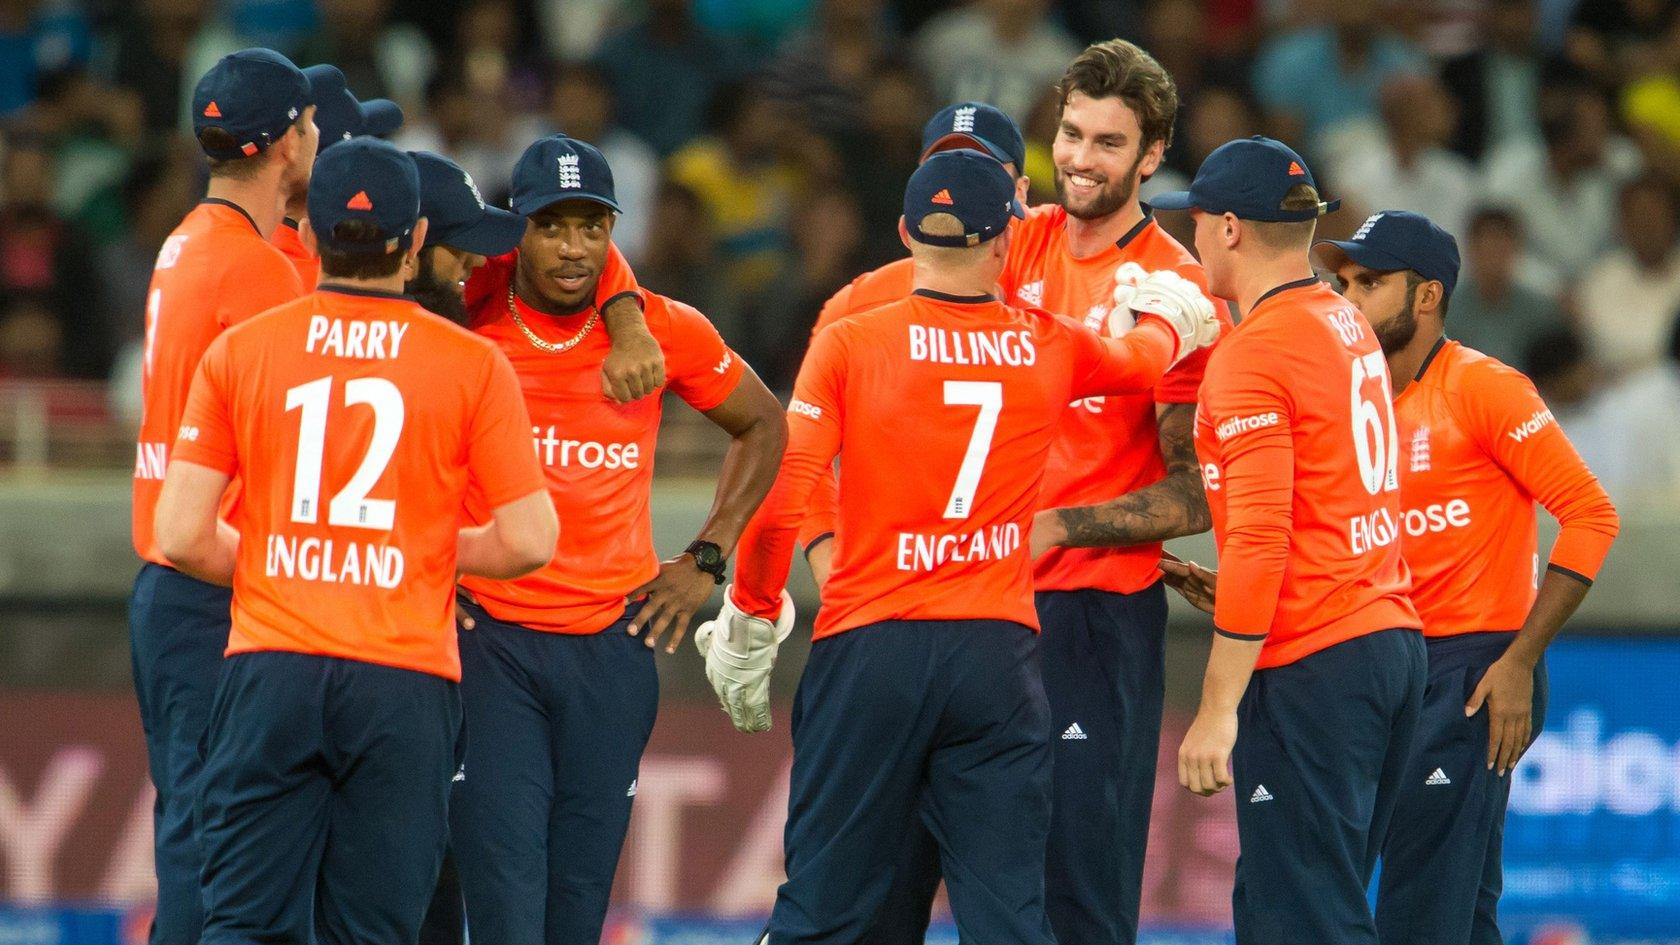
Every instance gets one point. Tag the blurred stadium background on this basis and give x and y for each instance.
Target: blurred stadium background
(760, 147)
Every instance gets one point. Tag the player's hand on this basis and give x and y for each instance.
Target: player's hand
(672, 598)
(740, 651)
(1182, 305)
(1507, 688)
(1194, 583)
(1126, 280)
(1204, 759)
(635, 367)
(1047, 531)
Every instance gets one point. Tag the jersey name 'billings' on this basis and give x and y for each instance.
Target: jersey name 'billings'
(978, 348)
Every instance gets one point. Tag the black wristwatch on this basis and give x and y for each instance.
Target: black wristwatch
(708, 557)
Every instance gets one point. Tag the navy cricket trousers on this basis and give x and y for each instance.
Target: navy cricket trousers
(178, 628)
(1104, 664)
(1322, 746)
(941, 721)
(556, 726)
(324, 807)
(1442, 871)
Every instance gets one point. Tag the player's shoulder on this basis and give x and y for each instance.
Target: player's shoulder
(668, 318)
(1473, 379)
(1154, 249)
(888, 283)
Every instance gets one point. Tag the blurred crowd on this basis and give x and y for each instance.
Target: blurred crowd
(760, 148)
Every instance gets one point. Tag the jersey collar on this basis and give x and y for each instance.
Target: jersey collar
(959, 299)
(1137, 230)
(363, 293)
(1287, 286)
(1429, 358)
(223, 202)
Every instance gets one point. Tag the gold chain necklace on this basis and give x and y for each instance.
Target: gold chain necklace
(550, 346)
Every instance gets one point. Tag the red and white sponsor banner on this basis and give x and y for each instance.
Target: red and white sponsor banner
(706, 836)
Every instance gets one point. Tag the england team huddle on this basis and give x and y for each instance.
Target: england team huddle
(394, 644)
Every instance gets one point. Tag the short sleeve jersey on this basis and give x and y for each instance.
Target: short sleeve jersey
(1478, 448)
(289, 241)
(596, 457)
(214, 271)
(1296, 435)
(1105, 446)
(974, 390)
(358, 421)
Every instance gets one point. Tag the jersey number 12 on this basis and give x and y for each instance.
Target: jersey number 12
(351, 507)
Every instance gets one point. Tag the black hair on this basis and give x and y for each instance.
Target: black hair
(342, 265)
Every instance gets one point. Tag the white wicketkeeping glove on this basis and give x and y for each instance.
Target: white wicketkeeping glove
(740, 650)
(1182, 305)
(1126, 279)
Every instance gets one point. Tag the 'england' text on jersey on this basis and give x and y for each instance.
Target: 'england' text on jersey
(979, 348)
(927, 552)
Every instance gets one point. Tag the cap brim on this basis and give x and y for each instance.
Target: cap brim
(972, 142)
(534, 203)
(1336, 252)
(1172, 200)
(495, 233)
(380, 117)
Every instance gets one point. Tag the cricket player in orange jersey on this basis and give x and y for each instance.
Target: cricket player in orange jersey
(560, 685)
(1315, 683)
(357, 422)
(922, 696)
(1121, 479)
(253, 114)
(1478, 449)
(339, 116)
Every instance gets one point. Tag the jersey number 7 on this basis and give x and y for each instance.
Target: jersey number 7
(988, 396)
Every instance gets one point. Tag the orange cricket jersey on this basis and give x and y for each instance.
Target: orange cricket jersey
(889, 283)
(967, 392)
(1106, 446)
(1296, 435)
(288, 240)
(596, 456)
(1478, 448)
(358, 421)
(213, 271)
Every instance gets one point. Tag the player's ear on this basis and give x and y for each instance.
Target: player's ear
(903, 232)
(1022, 185)
(1230, 230)
(306, 234)
(1152, 159)
(1430, 296)
(419, 238)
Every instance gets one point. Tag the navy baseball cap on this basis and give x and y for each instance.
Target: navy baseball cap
(1248, 177)
(1395, 240)
(456, 215)
(254, 95)
(341, 116)
(967, 184)
(365, 179)
(979, 127)
(559, 168)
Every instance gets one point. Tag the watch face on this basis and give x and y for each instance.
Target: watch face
(707, 556)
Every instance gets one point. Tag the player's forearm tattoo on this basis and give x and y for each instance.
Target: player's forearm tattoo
(1174, 507)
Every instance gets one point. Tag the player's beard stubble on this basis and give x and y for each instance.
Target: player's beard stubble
(1397, 331)
(435, 295)
(1114, 195)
